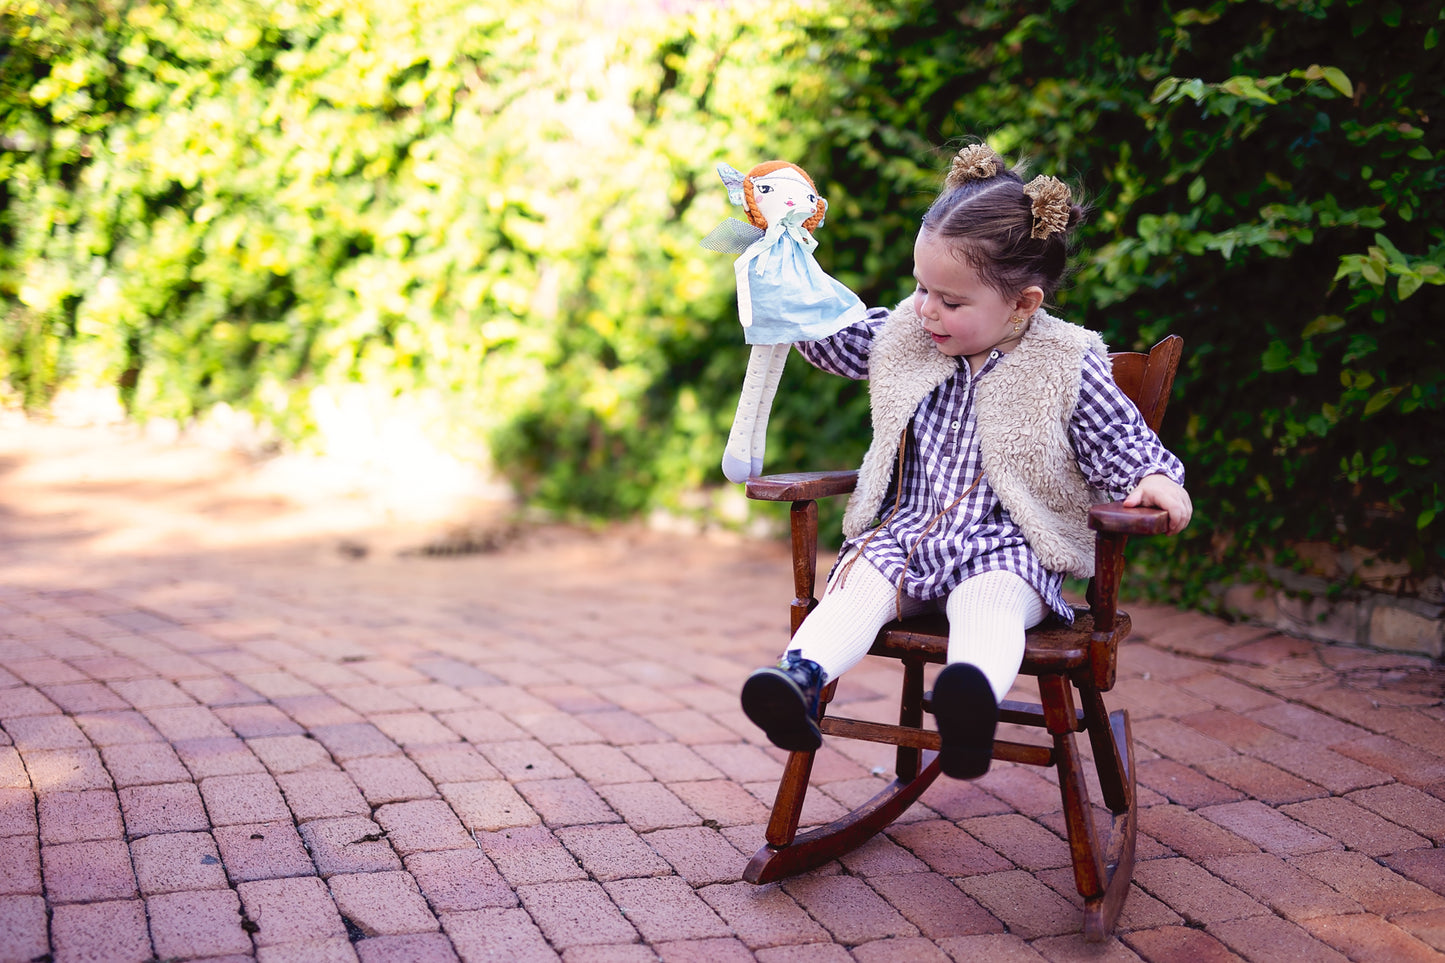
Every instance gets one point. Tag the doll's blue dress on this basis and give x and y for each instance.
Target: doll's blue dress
(784, 295)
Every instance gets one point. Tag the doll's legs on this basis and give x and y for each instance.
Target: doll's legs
(743, 456)
(987, 617)
(777, 359)
(783, 699)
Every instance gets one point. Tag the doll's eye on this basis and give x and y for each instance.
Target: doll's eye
(812, 198)
(765, 188)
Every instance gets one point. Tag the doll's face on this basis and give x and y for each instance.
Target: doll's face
(783, 191)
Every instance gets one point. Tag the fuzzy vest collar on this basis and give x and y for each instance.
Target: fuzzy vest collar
(1022, 409)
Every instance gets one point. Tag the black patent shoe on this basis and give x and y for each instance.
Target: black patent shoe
(967, 715)
(782, 700)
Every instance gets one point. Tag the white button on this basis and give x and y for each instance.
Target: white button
(993, 354)
(955, 426)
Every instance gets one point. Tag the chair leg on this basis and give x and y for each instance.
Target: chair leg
(1102, 877)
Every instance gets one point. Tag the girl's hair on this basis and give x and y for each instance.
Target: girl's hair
(1013, 234)
(750, 200)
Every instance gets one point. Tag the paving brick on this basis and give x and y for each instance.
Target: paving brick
(354, 740)
(1022, 841)
(255, 721)
(1287, 890)
(1368, 939)
(1315, 763)
(350, 844)
(1401, 760)
(935, 905)
(525, 759)
(66, 770)
(369, 699)
(175, 862)
(20, 866)
(1232, 729)
(1021, 788)
(1260, 780)
(17, 813)
(1179, 742)
(321, 794)
(672, 762)
(310, 711)
(290, 911)
(481, 725)
(453, 763)
(665, 909)
(1267, 828)
(262, 851)
(1193, 893)
(101, 931)
(87, 872)
(498, 934)
(382, 904)
(762, 916)
(424, 825)
(197, 924)
(84, 697)
(1405, 806)
(459, 881)
(947, 849)
(1427, 927)
(530, 855)
(848, 908)
(42, 672)
(1424, 866)
(19, 701)
(1356, 827)
(142, 764)
(12, 769)
(602, 765)
(488, 806)
(1170, 943)
(150, 693)
(38, 732)
(578, 913)
(282, 754)
(26, 926)
(566, 802)
(622, 728)
(1376, 888)
(72, 817)
(647, 806)
(408, 948)
(608, 852)
(243, 799)
(389, 779)
(167, 808)
(219, 691)
(217, 757)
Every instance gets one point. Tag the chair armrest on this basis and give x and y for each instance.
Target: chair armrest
(801, 486)
(1114, 519)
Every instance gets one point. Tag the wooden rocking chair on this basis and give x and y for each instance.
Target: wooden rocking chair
(1066, 659)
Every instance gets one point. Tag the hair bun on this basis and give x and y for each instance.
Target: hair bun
(976, 162)
(1051, 203)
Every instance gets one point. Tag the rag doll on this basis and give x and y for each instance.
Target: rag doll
(783, 295)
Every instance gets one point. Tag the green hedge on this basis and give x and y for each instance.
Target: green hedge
(238, 201)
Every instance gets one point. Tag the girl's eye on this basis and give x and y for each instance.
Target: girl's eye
(949, 305)
(765, 188)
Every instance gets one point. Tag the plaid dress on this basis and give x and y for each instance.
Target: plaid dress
(929, 548)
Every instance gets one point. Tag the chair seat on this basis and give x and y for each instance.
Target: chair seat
(1050, 646)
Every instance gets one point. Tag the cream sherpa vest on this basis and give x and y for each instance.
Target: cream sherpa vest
(1021, 412)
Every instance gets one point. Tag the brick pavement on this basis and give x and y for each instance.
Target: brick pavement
(253, 748)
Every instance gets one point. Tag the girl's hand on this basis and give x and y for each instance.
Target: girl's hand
(1160, 491)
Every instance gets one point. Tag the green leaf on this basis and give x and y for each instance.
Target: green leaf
(1409, 284)
(1380, 399)
(1336, 78)
(1323, 324)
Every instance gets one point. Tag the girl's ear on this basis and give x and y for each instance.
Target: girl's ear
(1029, 300)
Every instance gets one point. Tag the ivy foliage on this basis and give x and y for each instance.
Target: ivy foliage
(241, 202)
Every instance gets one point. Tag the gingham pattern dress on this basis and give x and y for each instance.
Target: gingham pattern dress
(930, 555)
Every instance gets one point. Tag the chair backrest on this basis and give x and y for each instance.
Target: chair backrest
(1148, 378)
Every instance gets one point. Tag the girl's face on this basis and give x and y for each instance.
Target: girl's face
(783, 191)
(964, 316)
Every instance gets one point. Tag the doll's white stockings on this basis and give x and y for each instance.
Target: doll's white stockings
(987, 617)
(743, 457)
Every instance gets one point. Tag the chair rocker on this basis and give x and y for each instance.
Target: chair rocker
(1074, 665)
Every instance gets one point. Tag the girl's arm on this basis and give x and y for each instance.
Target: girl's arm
(845, 353)
(1119, 454)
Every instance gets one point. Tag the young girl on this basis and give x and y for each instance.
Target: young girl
(995, 426)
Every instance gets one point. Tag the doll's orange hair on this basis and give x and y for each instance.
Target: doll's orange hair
(750, 201)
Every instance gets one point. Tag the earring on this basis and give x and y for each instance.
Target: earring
(1017, 323)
